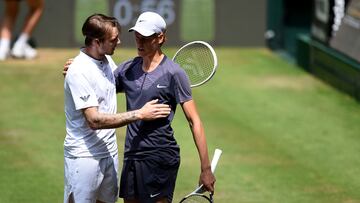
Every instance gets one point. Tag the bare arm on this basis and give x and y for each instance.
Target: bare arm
(197, 129)
(151, 110)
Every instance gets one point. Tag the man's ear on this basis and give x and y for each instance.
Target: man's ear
(96, 42)
(162, 38)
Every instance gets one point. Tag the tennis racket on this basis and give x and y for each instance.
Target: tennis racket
(198, 196)
(199, 61)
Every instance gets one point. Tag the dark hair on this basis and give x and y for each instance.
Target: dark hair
(97, 26)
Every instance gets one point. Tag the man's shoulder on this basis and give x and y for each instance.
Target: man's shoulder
(131, 61)
(80, 67)
(172, 67)
(77, 66)
(124, 66)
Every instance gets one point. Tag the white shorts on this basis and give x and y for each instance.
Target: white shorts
(90, 179)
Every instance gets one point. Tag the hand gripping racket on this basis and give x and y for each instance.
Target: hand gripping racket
(198, 194)
(199, 61)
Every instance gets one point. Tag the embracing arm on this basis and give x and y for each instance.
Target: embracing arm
(197, 129)
(151, 110)
(66, 66)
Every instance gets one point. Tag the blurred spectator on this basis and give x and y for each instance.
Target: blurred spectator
(21, 48)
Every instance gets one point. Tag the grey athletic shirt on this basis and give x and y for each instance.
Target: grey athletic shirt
(168, 83)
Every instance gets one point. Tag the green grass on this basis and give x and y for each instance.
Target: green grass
(286, 136)
(197, 20)
(83, 9)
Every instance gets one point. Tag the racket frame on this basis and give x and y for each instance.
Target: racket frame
(200, 190)
(213, 54)
(210, 198)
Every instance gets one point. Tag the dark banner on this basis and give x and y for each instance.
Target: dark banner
(127, 12)
(347, 38)
(327, 16)
(224, 23)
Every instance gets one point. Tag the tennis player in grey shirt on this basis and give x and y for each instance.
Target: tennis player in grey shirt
(152, 155)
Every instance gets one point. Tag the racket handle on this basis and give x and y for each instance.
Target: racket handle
(215, 159)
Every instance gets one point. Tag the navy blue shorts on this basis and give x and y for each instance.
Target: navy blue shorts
(148, 180)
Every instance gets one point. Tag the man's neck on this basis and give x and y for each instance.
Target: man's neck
(93, 53)
(151, 62)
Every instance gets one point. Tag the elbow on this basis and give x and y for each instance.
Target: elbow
(194, 122)
(93, 124)
(93, 118)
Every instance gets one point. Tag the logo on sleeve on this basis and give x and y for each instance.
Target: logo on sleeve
(85, 98)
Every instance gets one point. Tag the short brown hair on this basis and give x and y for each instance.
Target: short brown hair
(97, 26)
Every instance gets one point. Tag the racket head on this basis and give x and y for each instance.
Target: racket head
(199, 61)
(197, 198)
(198, 195)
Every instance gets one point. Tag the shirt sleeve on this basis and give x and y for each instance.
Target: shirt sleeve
(182, 86)
(118, 81)
(82, 93)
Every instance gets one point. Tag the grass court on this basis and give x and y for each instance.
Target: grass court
(286, 136)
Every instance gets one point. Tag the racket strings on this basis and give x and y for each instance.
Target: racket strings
(198, 62)
(195, 198)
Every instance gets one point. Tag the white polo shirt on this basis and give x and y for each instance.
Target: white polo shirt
(89, 83)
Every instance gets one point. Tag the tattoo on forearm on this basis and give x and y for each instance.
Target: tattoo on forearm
(125, 118)
(116, 120)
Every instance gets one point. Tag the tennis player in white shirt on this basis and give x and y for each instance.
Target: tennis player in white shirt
(90, 148)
